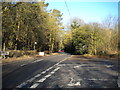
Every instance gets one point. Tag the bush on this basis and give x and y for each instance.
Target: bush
(47, 52)
(18, 53)
(102, 53)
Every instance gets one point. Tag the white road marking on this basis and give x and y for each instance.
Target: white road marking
(21, 85)
(35, 85)
(118, 81)
(56, 69)
(30, 80)
(52, 72)
(37, 60)
(62, 65)
(43, 79)
(109, 66)
(48, 69)
(94, 79)
(74, 84)
(23, 65)
(38, 75)
(78, 66)
(43, 72)
(31, 62)
(48, 75)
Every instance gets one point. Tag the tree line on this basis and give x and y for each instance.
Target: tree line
(24, 23)
(92, 38)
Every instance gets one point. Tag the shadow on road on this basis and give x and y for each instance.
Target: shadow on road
(56, 87)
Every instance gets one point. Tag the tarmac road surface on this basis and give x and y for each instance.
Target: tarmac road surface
(61, 71)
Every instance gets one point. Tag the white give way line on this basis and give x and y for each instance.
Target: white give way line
(38, 75)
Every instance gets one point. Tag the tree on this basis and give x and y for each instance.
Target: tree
(30, 22)
(92, 38)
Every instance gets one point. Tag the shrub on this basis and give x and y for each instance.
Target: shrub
(18, 53)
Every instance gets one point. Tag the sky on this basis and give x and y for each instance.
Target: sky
(87, 11)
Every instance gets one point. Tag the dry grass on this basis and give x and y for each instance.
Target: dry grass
(23, 58)
(51, 54)
(54, 53)
(95, 56)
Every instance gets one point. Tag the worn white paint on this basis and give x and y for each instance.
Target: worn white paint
(30, 80)
(79, 66)
(37, 60)
(48, 75)
(118, 82)
(95, 79)
(74, 84)
(52, 72)
(109, 66)
(35, 85)
(61, 65)
(38, 75)
(21, 85)
(31, 62)
(49, 68)
(41, 80)
(44, 78)
(56, 69)
(43, 72)
(23, 65)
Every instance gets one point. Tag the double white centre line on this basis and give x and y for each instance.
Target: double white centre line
(45, 77)
(38, 75)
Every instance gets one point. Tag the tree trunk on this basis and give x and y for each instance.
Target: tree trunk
(52, 46)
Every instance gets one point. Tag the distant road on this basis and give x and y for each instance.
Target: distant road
(61, 71)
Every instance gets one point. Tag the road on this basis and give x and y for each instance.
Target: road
(61, 71)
